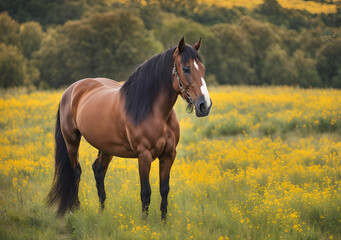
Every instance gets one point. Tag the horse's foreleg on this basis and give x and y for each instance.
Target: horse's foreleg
(166, 162)
(145, 160)
(100, 167)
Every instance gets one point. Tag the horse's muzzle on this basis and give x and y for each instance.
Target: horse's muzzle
(202, 109)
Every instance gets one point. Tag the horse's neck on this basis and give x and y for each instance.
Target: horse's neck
(166, 103)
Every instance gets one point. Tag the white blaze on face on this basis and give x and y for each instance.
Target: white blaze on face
(204, 91)
(203, 87)
(196, 65)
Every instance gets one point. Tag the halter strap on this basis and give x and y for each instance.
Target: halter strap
(181, 86)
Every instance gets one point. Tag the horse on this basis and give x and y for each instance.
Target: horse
(133, 120)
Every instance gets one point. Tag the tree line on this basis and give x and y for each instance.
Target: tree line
(50, 44)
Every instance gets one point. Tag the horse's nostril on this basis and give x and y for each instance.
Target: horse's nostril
(202, 107)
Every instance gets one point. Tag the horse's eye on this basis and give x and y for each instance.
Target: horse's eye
(186, 70)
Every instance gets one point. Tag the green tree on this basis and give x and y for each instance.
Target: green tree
(290, 40)
(211, 15)
(232, 54)
(61, 11)
(306, 70)
(106, 44)
(182, 8)
(9, 29)
(50, 60)
(277, 68)
(14, 68)
(262, 36)
(311, 40)
(333, 19)
(31, 36)
(272, 10)
(172, 29)
(336, 80)
(329, 62)
(46, 12)
(151, 15)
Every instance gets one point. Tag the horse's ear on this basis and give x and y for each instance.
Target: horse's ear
(197, 45)
(181, 45)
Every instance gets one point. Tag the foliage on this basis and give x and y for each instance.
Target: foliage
(43, 11)
(14, 68)
(277, 69)
(243, 41)
(169, 35)
(8, 29)
(307, 75)
(104, 45)
(232, 41)
(17, 43)
(30, 37)
(332, 20)
(329, 62)
(277, 178)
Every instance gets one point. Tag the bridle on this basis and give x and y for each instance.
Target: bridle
(181, 86)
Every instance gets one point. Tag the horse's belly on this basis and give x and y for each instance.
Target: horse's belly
(111, 146)
(106, 134)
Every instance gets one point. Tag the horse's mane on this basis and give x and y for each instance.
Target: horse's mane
(150, 79)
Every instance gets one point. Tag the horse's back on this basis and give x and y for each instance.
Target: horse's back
(83, 89)
(88, 85)
(108, 82)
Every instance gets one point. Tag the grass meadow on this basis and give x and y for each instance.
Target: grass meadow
(265, 164)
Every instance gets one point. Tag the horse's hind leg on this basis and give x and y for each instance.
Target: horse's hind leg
(100, 167)
(64, 191)
(72, 142)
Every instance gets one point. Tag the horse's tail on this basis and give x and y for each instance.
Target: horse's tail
(64, 191)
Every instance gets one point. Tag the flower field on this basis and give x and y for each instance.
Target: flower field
(310, 6)
(265, 164)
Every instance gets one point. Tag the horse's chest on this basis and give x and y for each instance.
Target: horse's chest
(158, 147)
(152, 141)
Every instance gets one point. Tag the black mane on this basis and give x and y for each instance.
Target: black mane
(150, 79)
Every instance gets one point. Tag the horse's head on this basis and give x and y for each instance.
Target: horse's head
(188, 78)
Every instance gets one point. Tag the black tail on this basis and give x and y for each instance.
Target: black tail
(64, 191)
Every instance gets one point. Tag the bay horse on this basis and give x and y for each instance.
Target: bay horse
(133, 120)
